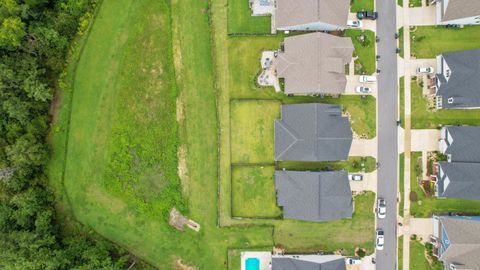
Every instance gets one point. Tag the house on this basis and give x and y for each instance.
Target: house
(458, 79)
(456, 241)
(314, 64)
(458, 12)
(312, 132)
(458, 180)
(314, 196)
(311, 15)
(308, 262)
(460, 143)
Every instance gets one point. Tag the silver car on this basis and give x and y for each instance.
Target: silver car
(379, 239)
(381, 208)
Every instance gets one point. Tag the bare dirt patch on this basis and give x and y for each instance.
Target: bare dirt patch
(180, 109)
(182, 169)
(55, 106)
(179, 221)
(179, 265)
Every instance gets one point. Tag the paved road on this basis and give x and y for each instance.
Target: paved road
(387, 130)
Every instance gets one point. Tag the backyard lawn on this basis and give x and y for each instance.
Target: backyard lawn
(364, 50)
(253, 192)
(253, 130)
(430, 41)
(418, 259)
(240, 20)
(423, 118)
(425, 206)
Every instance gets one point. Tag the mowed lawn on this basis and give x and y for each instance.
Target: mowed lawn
(244, 66)
(240, 20)
(365, 51)
(423, 118)
(418, 259)
(121, 164)
(427, 206)
(252, 130)
(430, 41)
(358, 5)
(253, 192)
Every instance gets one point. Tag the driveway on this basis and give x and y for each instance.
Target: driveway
(369, 183)
(422, 15)
(413, 64)
(425, 140)
(352, 82)
(366, 24)
(364, 148)
(422, 227)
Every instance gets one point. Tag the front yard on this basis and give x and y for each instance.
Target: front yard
(424, 206)
(430, 41)
(418, 258)
(364, 43)
(424, 118)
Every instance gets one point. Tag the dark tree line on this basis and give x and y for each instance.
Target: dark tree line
(34, 38)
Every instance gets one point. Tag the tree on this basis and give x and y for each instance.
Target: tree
(12, 31)
(27, 151)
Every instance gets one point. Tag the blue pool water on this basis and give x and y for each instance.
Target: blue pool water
(252, 264)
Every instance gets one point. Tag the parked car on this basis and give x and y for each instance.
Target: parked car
(355, 177)
(354, 24)
(367, 79)
(425, 70)
(381, 208)
(363, 90)
(379, 239)
(371, 15)
(351, 261)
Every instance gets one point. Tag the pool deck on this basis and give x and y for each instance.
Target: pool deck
(265, 259)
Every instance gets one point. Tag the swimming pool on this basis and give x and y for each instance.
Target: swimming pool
(252, 264)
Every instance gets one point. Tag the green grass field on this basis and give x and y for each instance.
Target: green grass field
(153, 92)
(430, 41)
(418, 259)
(365, 51)
(401, 177)
(422, 117)
(253, 192)
(253, 130)
(427, 206)
(400, 253)
(240, 20)
(358, 5)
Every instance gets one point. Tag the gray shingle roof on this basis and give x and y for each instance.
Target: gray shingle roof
(308, 262)
(290, 13)
(464, 82)
(464, 237)
(459, 9)
(312, 132)
(465, 146)
(314, 63)
(463, 180)
(314, 196)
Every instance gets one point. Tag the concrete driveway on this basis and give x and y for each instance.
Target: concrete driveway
(413, 64)
(364, 148)
(369, 183)
(366, 24)
(422, 15)
(425, 140)
(352, 83)
(422, 227)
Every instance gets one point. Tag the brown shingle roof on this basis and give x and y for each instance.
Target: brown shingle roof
(296, 12)
(458, 9)
(314, 63)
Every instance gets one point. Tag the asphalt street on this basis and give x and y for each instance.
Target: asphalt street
(387, 116)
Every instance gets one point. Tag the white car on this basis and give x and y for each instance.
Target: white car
(425, 70)
(381, 208)
(367, 79)
(354, 24)
(380, 239)
(351, 261)
(355, 177)
(363, 90)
